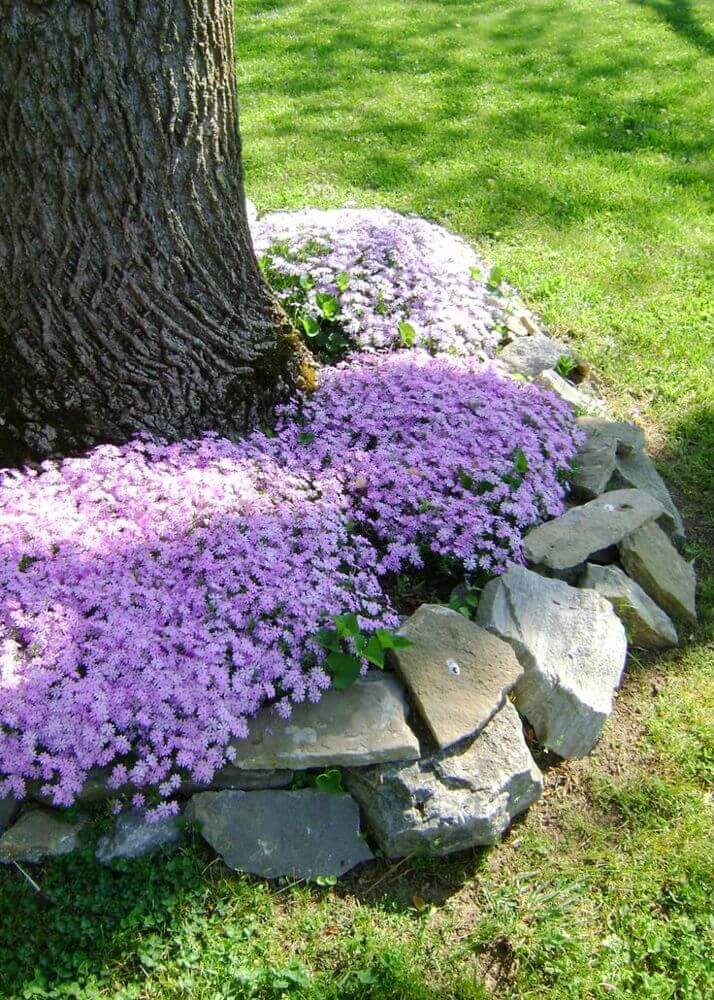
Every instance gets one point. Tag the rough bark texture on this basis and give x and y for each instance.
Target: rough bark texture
(130, 297)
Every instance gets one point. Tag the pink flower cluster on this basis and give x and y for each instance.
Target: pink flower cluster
(154, 596)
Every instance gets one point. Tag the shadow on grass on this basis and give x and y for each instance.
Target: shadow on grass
(680, 17)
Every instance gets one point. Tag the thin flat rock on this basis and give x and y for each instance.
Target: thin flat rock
(363, 724)
(652, 561)
(298, 834)
(39, 834)
(628, 437)
(637, 471)
(594, 467)
(531, 355)
(457, 673)
(569, 540)
(134, 835)
(646, 624)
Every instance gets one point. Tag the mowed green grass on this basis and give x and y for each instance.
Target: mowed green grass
(572, 143)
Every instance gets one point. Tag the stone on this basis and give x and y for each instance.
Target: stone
(134, 836)
(594, 467)
(567, 541)
(652, 561)
(299, 834)
(9, 808)
(572, 647)
(363, 724)
(39, 834)
(232, 777)
(457, 673)
(454, 800)
(575, 396)
(628, 437)
(531, 355)
(637, 471)
(646, 625)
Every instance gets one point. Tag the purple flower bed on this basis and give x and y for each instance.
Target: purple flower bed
(155, 596)
(368, 272)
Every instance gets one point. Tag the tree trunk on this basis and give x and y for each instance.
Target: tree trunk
(130, 296)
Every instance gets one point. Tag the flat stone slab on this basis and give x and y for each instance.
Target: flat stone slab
(652, 561)
(133, 835)
(646, 624)
(531, 355)
(580, 401)
(595, 465)
(457, 673)
(637, 471)
(567, 541)
(457, 799)
(572, 647)
(628, 437)
(9, 808)
(301, 834)
(39, 834)
(363, 724)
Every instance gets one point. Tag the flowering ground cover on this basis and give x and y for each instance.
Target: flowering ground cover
(155, 596)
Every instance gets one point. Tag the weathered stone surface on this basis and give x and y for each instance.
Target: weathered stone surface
(595, 465)
(628, 437)
(531, 355)
(569, 540)
(457, 673)
(9, 808)
(572, 647)
(237, 778)
(300, 834)
(647, 626)
(364, 724)
(650, 558)
(39, 834)
(133, 836)
(577, 397)
(637, 471)
(456, 799)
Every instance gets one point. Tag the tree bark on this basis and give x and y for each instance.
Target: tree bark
(130, 296)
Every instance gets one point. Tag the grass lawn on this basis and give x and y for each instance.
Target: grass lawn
(572, 142)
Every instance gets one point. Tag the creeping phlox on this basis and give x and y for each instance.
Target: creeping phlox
(154, 596)
(374, 279)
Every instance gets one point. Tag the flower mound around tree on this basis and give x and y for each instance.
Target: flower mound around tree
(155, 596)
(384, 280)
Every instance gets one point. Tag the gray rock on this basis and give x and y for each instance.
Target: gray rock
(300, 834)
(232, 777)
(9, 808)
(39, 834)
(134, 836)
(572, 647)
(628, 437)
(650, 558)
(567, 541)
(637, 471)
(531, 355)
(595, 465)
(457, 673)
(457, 799)
(579, 398)
(364, 724)
(647, 626)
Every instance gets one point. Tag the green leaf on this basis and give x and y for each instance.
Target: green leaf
(343, 280)
(374, 652)
(328, 304)
(476, 273)
(465, 480)
(345, 669)
(520, 461)
(306, 437)
(328, 638)
(310, 326)
(390, 640)
(347, 624)
(306, 282)
(407, 334)
(495, 279)
(330, 781)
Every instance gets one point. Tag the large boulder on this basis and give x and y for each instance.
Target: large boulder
(594, 467)
(650, 558)
(637, 471)
(566, 542)
(300, 834)
(363, 724)
(39, 834)
(531, 355)
(647, 626)
(628, 437)
(457, 798)
(457, 673)
(572, 647)
(133, 835)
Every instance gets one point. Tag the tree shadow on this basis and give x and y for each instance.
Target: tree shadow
(680, 17)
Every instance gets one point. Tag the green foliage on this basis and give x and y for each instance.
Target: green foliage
(566, 366)
(348, 646)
